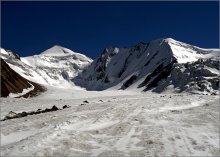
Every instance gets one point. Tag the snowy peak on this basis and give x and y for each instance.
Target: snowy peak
(56, 66)
(147, 65)
(115, 65)
(60, 51)
(167, 40)
(181, 51)
(187, 53)
(57, 51)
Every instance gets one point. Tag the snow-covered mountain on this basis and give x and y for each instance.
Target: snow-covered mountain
(56, 66)
(160, 65)
(163, 65)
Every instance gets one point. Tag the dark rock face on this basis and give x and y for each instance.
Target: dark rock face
(124, 67)
(154, 73)
(163, 74)
(129, 82)
(193, 77)
(11, 82)
(16, 56)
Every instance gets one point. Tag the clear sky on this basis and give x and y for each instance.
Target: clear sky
(29, 28)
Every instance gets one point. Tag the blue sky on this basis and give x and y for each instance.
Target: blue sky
(29, 28)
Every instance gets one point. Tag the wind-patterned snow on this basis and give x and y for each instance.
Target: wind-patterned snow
(182, 107)
(16, 137)
(113, 123)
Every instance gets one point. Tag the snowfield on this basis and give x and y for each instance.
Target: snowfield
(112, 123)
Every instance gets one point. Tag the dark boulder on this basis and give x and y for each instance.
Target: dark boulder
(23, 114)
(85, 101)
(54, 108)
(66, 106)
(10, 115)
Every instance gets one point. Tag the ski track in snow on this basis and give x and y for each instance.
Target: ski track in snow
(119, 125)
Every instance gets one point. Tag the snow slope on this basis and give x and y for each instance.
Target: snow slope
(113, 123)
(147, 65)
(56, 66)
